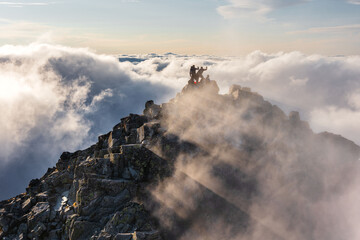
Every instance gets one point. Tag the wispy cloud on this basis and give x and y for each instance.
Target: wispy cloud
(21, 4)
(331, 29)
(256, 9)
(130, 1)
(5, 21)
(356, 2)
(27, 31)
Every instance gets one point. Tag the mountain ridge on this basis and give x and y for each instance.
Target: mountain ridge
(161, 175)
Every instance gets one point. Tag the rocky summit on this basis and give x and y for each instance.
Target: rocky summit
(202, 166)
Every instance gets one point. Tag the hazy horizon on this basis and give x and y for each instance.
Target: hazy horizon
(217, 27)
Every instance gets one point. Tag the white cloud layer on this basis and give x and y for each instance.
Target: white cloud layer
(22, 4)
(255, 8)
(258, 9)
(55, 98)
(356, 2)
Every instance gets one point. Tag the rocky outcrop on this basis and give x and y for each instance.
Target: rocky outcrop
(116, 188)
(90, 194)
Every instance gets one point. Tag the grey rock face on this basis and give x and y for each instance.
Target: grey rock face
(152, 111)
(27, 204)
(148, 131)
(107, 190)
(39, 213)
(90, 193)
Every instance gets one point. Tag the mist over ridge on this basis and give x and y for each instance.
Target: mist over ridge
(202, 166)
(55, 98)
(275, 177)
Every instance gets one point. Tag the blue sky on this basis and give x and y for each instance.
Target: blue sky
(221, 27)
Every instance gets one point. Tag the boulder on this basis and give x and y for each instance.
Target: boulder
(27, 204)
(103, 141)
(132, 137)
(91, 207)
(114, 150)
(121, 198)
(152, 110)
(117, 163)
(239, 94)
(111, 187)
(105, 236)
(38, 230)
(22, 236)
(22, 229)
(133, 121)
(84, 196)
(54, 234)
(147, 131)
(116, 138)
(41, 197)
(101, 153)
(131, 218)
(120, 222)
(152, 235)
(63, 162)
(140, 163)
(124, 236)
(82, 230)
(73, 189)
(98, 166)
(39, 213)
(4, 224)
(34, 187)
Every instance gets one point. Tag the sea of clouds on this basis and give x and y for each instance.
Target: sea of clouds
(55, 98)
